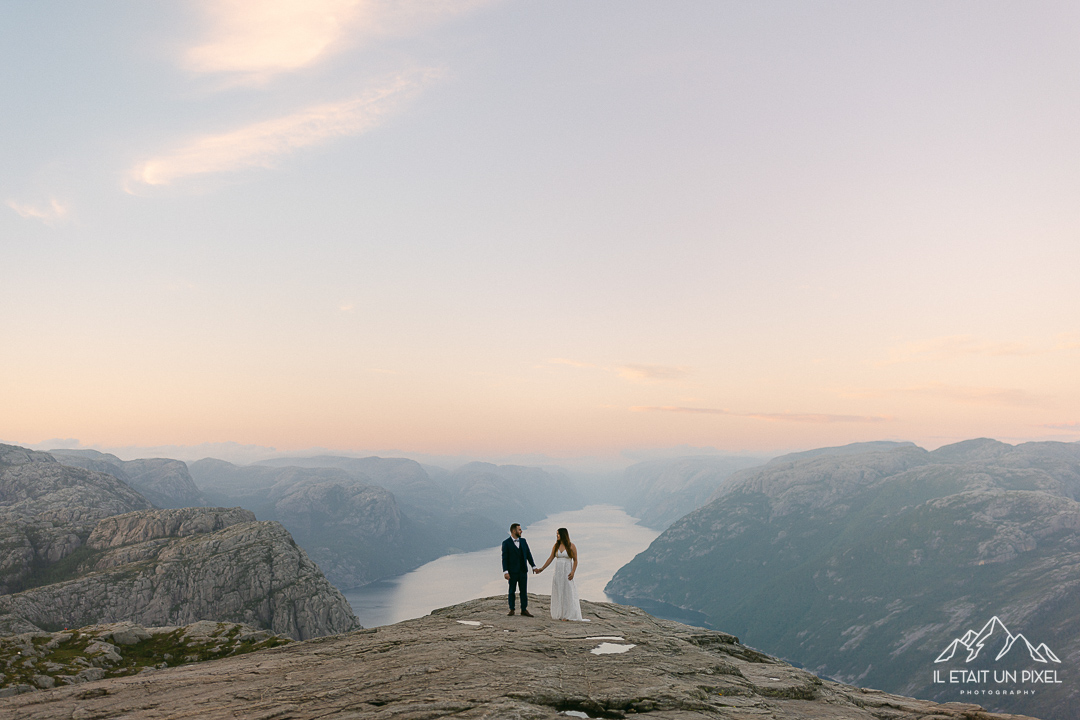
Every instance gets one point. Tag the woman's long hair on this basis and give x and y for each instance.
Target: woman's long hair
(564, 540)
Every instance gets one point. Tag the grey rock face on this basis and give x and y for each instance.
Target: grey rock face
(47, 510)
(139, 527)
(164, 482)
(248, 572)
(470, 661)
(865, 566)
(29, 545)
(32, 483)
(72, 553)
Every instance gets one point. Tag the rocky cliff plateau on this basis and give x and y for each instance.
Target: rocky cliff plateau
(175, 567)
(80, 547)
(471, 661)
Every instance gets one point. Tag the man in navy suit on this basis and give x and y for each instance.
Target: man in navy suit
(515, 555)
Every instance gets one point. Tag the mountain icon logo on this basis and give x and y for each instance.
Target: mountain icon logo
(993, 634)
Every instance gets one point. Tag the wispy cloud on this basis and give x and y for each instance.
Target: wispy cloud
(254, 40)
(632, 372)
(261, 144)
(1009, 397)
(816, 418)
(574, 363)
(651, 372)
(1073, 426)
(966, 394)
(1068, 341)
(49, 214)
(260, 38)
(953, 347)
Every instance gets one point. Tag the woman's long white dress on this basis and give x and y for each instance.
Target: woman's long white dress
(564, 597)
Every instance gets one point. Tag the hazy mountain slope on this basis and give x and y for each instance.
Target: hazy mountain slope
(164, 482)
(421, 519)
(353, 529)
(511, 493)
(419, 495)
(659, 492)
(864, 567)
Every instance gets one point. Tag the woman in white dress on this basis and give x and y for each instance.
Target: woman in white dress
(564, 596)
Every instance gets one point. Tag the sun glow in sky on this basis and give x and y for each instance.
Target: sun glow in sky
(573, 229)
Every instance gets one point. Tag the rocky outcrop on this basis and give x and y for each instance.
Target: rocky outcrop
(73, 553)
(470, 661)
(174, 567)
(39, 660)
(164, 482)
(47, 510)
(138, 527)
(29, 547)
(865, 566)
(33, 483)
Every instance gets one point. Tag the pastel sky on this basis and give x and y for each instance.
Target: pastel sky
(477, 227)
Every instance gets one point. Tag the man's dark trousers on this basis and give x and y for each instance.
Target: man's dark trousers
(516, 562)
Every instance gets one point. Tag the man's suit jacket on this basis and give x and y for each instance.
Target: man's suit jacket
(513, 559)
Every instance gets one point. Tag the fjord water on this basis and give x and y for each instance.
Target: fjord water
(606, 537)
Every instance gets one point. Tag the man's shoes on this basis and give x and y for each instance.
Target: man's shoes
(512, 612)
(526, 613)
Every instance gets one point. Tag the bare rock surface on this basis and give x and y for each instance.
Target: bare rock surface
(472, 661)
(139, 527)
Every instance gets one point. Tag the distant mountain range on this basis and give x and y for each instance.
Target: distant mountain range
(659, 492)
(865, 563)
(363, 519)
(163, 481)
